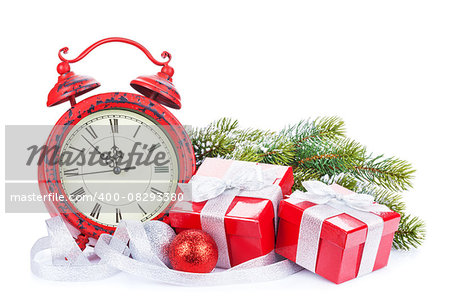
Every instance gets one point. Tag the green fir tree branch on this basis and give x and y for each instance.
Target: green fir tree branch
(392, 173)
(313, 131)
(410, 234)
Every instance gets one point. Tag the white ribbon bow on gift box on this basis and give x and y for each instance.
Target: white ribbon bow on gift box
(320, 193)
(247, 177)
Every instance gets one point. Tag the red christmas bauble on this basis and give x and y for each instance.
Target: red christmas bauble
(193, 251)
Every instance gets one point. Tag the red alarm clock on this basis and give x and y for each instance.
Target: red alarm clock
(116, 155)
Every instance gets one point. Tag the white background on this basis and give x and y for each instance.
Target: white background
(383, 66)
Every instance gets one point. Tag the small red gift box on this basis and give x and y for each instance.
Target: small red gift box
(248, 221)
(342, 239)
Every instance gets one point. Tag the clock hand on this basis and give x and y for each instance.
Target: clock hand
(117, 154)
(95, 147)
(114, 124)
(104, 156)
(116, 170)
(114, 141)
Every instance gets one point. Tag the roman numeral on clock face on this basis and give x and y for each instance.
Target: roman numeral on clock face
(156, 191)
(143, 211)
(161, 169)
(71, 172)
(75, 195)
(118, 215)
(96, 211)
(154, 147)
(76, 149)
(91, 132)
(114, 125)
(136, 132)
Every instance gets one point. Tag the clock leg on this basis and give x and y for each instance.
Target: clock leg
(82, 241)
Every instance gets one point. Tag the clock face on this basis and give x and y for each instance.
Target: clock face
(118, 164)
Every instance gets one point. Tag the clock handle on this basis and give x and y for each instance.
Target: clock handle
(158, 88)
(168, 70)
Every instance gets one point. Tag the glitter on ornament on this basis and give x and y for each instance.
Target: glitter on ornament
(193, 251)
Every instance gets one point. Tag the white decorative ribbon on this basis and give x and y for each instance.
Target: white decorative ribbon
(242, 178)
(332, 203)
(68, 261)
(147, 245)
(240, 175)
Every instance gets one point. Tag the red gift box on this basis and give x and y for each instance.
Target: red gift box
(249, 221)
(342, 239)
